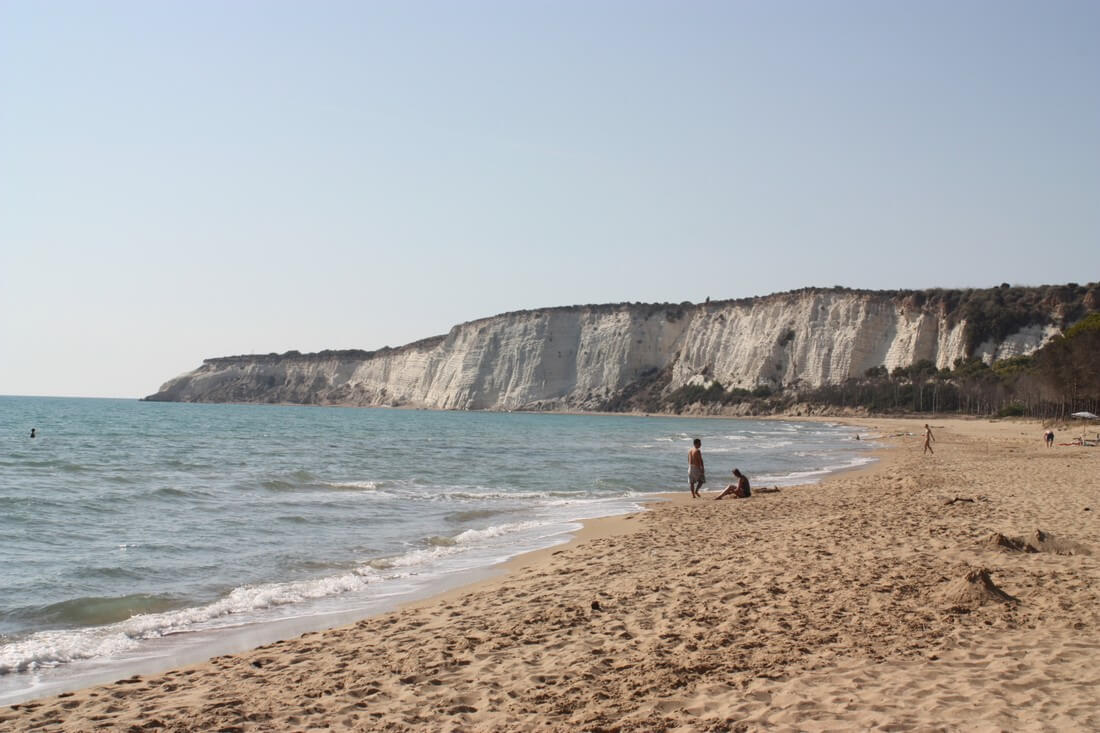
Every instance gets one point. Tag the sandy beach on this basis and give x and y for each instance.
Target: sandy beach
(871, 600)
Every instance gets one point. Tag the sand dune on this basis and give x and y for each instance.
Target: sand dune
(871, 600)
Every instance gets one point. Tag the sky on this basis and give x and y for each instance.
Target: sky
(184, 180)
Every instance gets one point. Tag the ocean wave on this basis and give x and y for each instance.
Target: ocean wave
(440, 546)
(34, 503)
(469, 495)
(416, 558)
(292, 481)
(589, 500)
(49, 463)
(115, 572)
(280, 485)
(354, 485)
(181, 463)
(813, 475)
(299, 519)
(762, 443)
(314, 564)
(499, 530)
(173, 493)
(303, 481)
(476, 536)
(473, 514)
(54, 647)
(97, 611)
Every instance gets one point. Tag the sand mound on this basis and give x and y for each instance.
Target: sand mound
(975, 589)
(1046, 542)
(998, 541)
(1039, 541)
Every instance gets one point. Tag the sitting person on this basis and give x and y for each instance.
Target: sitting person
(741, 490)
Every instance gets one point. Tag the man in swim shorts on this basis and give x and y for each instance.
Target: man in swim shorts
(696, 475)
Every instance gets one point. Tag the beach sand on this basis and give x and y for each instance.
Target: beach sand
(865, 601)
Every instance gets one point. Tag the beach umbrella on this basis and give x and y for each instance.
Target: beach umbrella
(1085, 415)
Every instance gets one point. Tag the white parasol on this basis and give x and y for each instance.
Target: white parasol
(1084, 415)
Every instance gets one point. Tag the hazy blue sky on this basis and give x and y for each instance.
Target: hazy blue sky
(181, 180)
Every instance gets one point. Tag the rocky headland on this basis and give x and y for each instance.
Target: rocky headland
(628, 356)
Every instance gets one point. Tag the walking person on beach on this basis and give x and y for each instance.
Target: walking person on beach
(1049, 437)
(696, 475)
(741, 490)
(929, 439)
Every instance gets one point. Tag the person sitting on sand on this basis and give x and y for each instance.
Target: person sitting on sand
(696, 474)
(740, 490)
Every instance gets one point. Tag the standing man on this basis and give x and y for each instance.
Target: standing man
(1048, 436)
(929, 439)
(696, 476)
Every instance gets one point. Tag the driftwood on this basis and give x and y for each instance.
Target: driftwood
(957, 498)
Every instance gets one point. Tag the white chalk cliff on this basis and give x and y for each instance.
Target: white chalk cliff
(581, 357)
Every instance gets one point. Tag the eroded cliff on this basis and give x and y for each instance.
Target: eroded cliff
(589, 357)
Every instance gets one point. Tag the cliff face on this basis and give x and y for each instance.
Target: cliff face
(582, 357)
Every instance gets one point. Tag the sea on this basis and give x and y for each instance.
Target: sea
(138, 536)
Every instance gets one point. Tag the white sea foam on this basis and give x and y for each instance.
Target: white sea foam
(50, 648)
(441, 547)
(810, 477)
(491, 494)
(475, 535)
(365, 485)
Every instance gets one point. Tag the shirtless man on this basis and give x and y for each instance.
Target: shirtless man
(741, 490)
(929, 439)
(696, 475)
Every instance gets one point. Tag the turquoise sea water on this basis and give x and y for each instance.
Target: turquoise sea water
(126, 525)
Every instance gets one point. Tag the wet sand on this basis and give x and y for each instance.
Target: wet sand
(870, 600)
